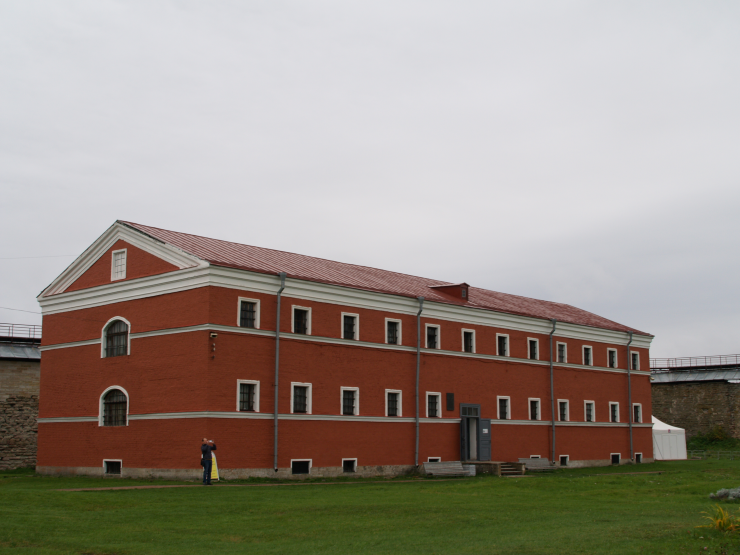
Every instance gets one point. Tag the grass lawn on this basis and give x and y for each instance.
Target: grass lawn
(571, 511)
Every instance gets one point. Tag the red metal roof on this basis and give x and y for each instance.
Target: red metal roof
(268, 261)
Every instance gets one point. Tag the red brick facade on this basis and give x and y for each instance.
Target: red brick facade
(182, 382)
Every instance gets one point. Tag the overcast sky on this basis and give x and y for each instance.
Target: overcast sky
(579, 152)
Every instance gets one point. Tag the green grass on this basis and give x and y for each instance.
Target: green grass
(571, 511)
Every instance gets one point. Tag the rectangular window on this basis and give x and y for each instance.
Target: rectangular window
(432, 336)
(589, 412)
(300, 467)
(562, 353)
(534, 409)
(248, 314)
(635, 361)
(563, 415)
(350, 401)
(349, 465)
(613, 412)
(587, 358)
(433, 408)
(468, 341)
(533, 349)
(300, 398)
(349, 326)
(248, 396)
(564, 460)
(450, 402)
(503, 408)
(301, 320)
(502, 345)
(616, 458)
(118, 265)
(112, 467)
(393, 402)
(637, 413)
(392, 332)
(638, 458)
(611, 355)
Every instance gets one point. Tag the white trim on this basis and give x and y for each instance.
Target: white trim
(257, 312)
(539, 408)
(355, 461)
(616, 358)
(535, 457)
(612, 454)
(400, 402)
(437, 459)
(113, 264)
(400, 325)
(633, 413)
(464, 331)
(439, 403)
(508, 345)
(537, 348)
(256, 383)
(439, 337)
(635, 354)
(357, 326)
(583, 355)
(310, 465)
(292, 319)
(100, 404)
(112, 460)
(615, 403)
(128, 335)
(498, 406)
(641, 457)
(357, 400)
(560, 459)
(565, 352)
(567, 410)
(593, 411)
(309, 397)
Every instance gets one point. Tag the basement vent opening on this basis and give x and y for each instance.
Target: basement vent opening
(300, 467)
(615, 458)
(349, 466)
(112, 468)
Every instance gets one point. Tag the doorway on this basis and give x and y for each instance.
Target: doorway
(470, 432)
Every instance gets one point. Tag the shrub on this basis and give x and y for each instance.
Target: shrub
(721, 520)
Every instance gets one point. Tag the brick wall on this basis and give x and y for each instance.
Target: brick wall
(19, 409)
(699, 406)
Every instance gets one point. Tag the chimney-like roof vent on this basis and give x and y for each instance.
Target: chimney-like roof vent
(459, 290)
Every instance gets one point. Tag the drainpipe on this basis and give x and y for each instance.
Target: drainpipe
(629, 395)
(552, 390)
(277, 368)
(418, 363)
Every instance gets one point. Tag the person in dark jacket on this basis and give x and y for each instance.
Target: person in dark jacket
(207, 459)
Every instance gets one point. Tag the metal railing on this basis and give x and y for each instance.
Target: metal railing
(694, 362)
(711, 454)
(20, 331)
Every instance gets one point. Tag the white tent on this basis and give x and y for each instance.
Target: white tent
(669, 442)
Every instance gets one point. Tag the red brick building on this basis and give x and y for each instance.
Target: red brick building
(154, 339)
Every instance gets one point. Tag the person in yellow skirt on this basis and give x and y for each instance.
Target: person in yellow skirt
(207, 459)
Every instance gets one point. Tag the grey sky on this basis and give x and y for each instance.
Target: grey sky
(581, 152)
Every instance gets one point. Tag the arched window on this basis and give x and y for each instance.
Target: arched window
(116, 339)
(115, 408)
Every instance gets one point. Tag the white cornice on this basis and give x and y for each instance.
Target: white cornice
(119, 231)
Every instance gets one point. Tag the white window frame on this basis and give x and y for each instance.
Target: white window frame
(103, 338)
(612, 454)
(310, 465)
(583, 355)
(400, 401)
(641, 457)
(508, 344)
(438, 459)
(357, 400)
(357, 326)
(537, 348)
(593, 410)
(539, 408)
(616, 357)
(535, 457)
(439, 336)
(308, 324)
(498, 406)
(635, 354)
(343, 460)
(113, 264)
(567, 460)
(256, 312)
(309, 400)
(633, 413)
(439, 403)
(462, 337)
(400, 327)
(610, 411)
(101, 409)
(567, 409)
(112, 460)
(565, 350)
(256, 394)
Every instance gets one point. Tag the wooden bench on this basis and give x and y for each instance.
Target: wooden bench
(538, 465)
(452, 468)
